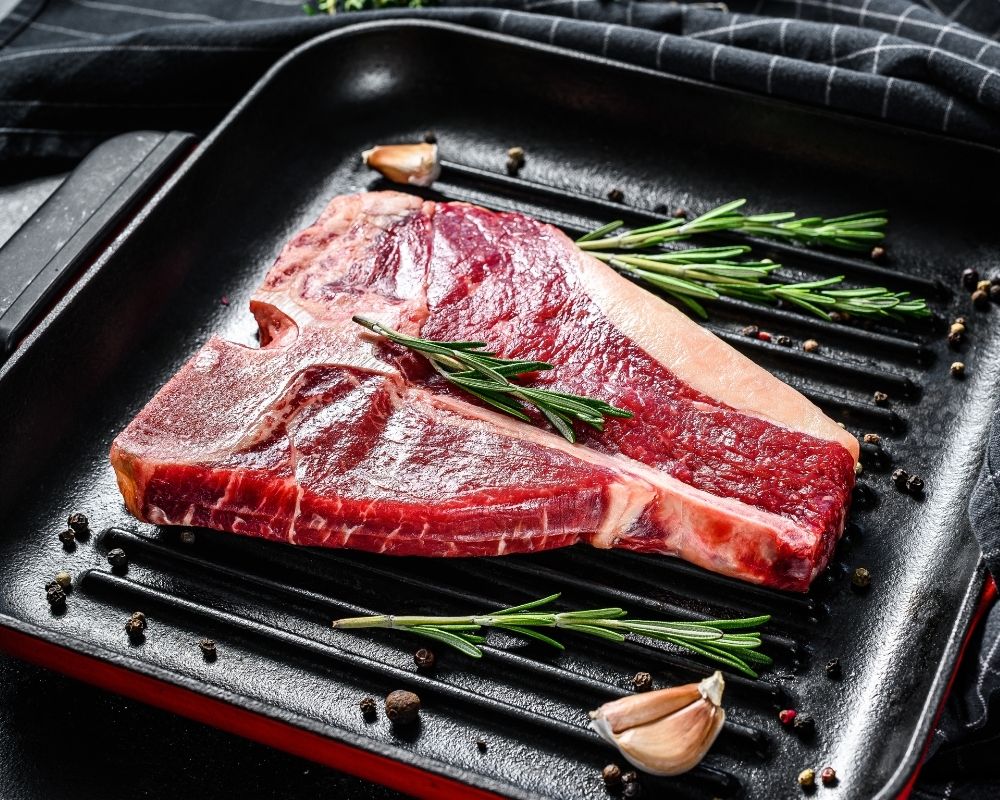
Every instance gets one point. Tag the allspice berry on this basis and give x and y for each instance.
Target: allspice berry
(402, 707)
(980, 299)
(612, 775)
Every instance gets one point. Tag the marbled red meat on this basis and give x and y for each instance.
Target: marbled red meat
(328, 436)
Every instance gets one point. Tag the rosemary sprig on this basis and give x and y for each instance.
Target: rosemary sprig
(482, 374)
(725, 641)
(852, 232)
(707, 273)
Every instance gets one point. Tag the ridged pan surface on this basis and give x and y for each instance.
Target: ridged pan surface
(587, 126)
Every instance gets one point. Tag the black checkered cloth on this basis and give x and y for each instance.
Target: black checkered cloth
(76, 72)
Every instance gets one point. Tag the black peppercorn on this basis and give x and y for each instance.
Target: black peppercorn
(423, 658)
(402, 707)
(838, 316)
(79, 523)
(899, 477)
(430, 137)
(187, 536)
(833, 669)
(872, 438)
(134, 628)
(660, 208)
(980, 299)
(140, 617)
(642, 682)
(208, 650)
(368, 707)
(861, 578)
(880, 398)
(616, 196)
(612, 775)
(828, 775)
(915, 485)
(804, 725)
(633, 789)
(630, 777)
(680, 213)
(995, 293)
(118, 559)
(878, 253)
(55, 595)
(481, 745)
(784, 341)
(956, 339)
(750, 330)
(68, 538)
(970, 277)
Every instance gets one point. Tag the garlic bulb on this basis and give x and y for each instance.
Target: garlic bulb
(666, 732)
(405, 163)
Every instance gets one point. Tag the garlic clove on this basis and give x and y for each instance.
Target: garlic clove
(416, 164)
(676, 743)
(665, 732)
(638, 709)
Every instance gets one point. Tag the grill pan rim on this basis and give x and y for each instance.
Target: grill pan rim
(948, 664)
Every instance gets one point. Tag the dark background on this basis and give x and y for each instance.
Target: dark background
(64, 739)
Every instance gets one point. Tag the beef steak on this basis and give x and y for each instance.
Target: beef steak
(328, 436)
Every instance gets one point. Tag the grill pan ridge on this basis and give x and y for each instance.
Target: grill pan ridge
(154, 296)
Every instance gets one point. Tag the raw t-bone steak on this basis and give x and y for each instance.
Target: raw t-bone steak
(329, 436)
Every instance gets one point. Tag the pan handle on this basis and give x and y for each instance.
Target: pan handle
(69, 230)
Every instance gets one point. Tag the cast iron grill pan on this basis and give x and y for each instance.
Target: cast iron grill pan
(161, 288)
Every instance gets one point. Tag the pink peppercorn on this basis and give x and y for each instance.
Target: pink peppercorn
(787, 716)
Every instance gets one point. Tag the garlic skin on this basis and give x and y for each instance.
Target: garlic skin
(666, 732)
(416, 164)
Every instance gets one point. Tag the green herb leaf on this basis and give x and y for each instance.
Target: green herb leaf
(717, 640)
(469, 366)
(707, 273)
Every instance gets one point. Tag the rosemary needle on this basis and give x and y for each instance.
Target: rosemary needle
(482, 374)
(695, 275)
(725, 641)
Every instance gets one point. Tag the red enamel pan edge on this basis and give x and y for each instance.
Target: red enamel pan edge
(243, 722)
(312, 746)
(987, 598)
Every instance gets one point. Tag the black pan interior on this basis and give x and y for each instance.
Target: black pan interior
(185, 268)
